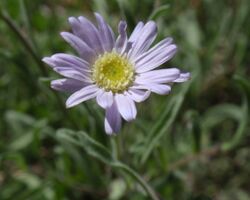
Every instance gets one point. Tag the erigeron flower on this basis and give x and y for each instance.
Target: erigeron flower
(116, 72)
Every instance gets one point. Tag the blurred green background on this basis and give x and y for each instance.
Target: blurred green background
(193, 144)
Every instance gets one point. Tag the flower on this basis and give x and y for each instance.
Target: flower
(116, 72)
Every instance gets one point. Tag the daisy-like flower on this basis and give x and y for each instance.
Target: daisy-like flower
(116, 72)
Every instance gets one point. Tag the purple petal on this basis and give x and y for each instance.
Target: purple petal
(136, 32)
(104, 99)
(105, 33)
(67, 70)
(82, 95)
(80, 46)
(161, 89)
(61, 60)
(143, 42)
(67, 85)
(158, 55)
(158, 76)
(138, 95)
(126, 107)
(122, 40)
(112, 120)
(159, 47)
(85, 30)
(71, 73)
(183, 77)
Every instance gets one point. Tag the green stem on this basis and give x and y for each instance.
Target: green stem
(100, 152)
(140, 180)
(114, 147)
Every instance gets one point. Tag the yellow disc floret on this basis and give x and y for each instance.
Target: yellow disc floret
(113, 72)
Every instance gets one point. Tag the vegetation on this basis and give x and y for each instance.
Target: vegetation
(193, 144)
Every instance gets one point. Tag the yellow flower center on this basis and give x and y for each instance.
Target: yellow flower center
(112, 72)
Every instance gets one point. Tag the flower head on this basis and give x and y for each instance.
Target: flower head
(116, 72)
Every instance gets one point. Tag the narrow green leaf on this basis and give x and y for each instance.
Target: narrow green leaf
(158, 12)
(92, 147)
(166, 120)
(22, 141)
(240, 132)
(215, 115)
(32, 181)
(98, 151)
